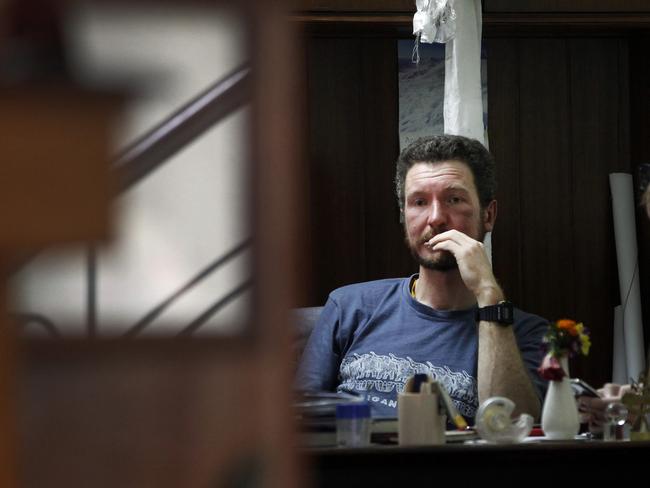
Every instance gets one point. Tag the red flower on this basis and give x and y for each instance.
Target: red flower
(551, 369)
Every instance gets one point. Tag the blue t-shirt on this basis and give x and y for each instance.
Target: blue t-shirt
(372, 337)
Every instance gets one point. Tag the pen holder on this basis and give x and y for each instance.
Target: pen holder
(419, 421)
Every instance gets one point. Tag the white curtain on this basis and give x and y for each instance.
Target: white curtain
(463, 112)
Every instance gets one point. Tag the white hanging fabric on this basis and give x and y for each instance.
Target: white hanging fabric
(463, 107)
(434, 20)
(457, 24)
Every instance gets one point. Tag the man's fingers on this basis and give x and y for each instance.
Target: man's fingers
(450, 235)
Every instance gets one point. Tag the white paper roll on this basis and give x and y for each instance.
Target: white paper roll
(628, 277)
(619, 367)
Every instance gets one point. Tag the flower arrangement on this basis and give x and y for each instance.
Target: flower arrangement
(564, 337)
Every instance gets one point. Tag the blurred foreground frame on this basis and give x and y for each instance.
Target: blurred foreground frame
(156, 412)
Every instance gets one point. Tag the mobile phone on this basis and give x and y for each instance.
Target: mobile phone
(582, 388)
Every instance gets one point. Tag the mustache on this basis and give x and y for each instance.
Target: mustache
(428, 236)
(430, 233)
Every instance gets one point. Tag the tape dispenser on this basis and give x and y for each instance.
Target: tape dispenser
(494, 422)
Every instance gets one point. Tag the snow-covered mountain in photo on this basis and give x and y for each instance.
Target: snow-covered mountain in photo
(421, 97)
(422, 90)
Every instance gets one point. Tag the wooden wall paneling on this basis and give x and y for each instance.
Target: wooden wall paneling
(9, 407)
(335, 134)
(639, 93)
(354, 143)
(353, 5)
(565, 6)
(547, 249)
(624, 136)
(143, 413)
(596, 151)
(386, 254)
(278, 179)
(503, 135)
(33, 209)
(54, 189)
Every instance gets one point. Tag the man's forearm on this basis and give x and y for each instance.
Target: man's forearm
(501, 371)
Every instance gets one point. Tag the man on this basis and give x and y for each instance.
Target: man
(371, 337)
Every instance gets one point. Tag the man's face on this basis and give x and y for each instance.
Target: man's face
(440, 197)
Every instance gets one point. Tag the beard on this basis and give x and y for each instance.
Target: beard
(440, 260)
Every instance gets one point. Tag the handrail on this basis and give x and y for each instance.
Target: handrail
(91, 291)
(182, 127)
(144, 156)
(214, 308)
(162, 142)
(33, 318)
(149, 317)
(172, 134)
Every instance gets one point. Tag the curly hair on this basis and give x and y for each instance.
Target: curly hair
(446, 147)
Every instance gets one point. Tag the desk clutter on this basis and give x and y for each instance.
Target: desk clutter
(327, 419)
(316, 417)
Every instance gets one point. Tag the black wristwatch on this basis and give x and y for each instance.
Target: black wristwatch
(501, 313)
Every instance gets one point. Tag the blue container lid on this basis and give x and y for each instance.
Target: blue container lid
(352, 410)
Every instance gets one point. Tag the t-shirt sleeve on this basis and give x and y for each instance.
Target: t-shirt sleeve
(530, 330)
(319, 364)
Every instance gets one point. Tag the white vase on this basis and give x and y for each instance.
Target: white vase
(560, 412)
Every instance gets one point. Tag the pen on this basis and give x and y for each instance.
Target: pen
(457, 418)
(414, 384)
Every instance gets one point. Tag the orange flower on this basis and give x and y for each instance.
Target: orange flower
(566, 336)
(567, 324)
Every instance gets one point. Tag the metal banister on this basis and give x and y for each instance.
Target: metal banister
(145, 155)
(182, 127)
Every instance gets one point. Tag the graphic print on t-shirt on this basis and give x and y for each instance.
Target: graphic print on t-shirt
(382, 377)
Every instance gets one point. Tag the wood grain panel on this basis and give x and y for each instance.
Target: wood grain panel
(565, 6)
(558, 127)
(354, 5)
(334, 156)
(597, 111)
(353, 145)
(42, 185)
(147, 413)
(386, 255)
(640, 153)
(503, 134)
(547, 248)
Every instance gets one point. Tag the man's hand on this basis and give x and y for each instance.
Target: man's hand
(473, 264)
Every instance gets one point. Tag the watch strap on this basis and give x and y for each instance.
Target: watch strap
(501, 313)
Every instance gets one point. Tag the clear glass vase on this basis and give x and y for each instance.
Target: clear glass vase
(560, 418)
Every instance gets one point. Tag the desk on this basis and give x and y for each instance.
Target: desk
(529, 464)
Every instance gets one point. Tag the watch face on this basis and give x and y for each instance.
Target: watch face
(506, 315)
